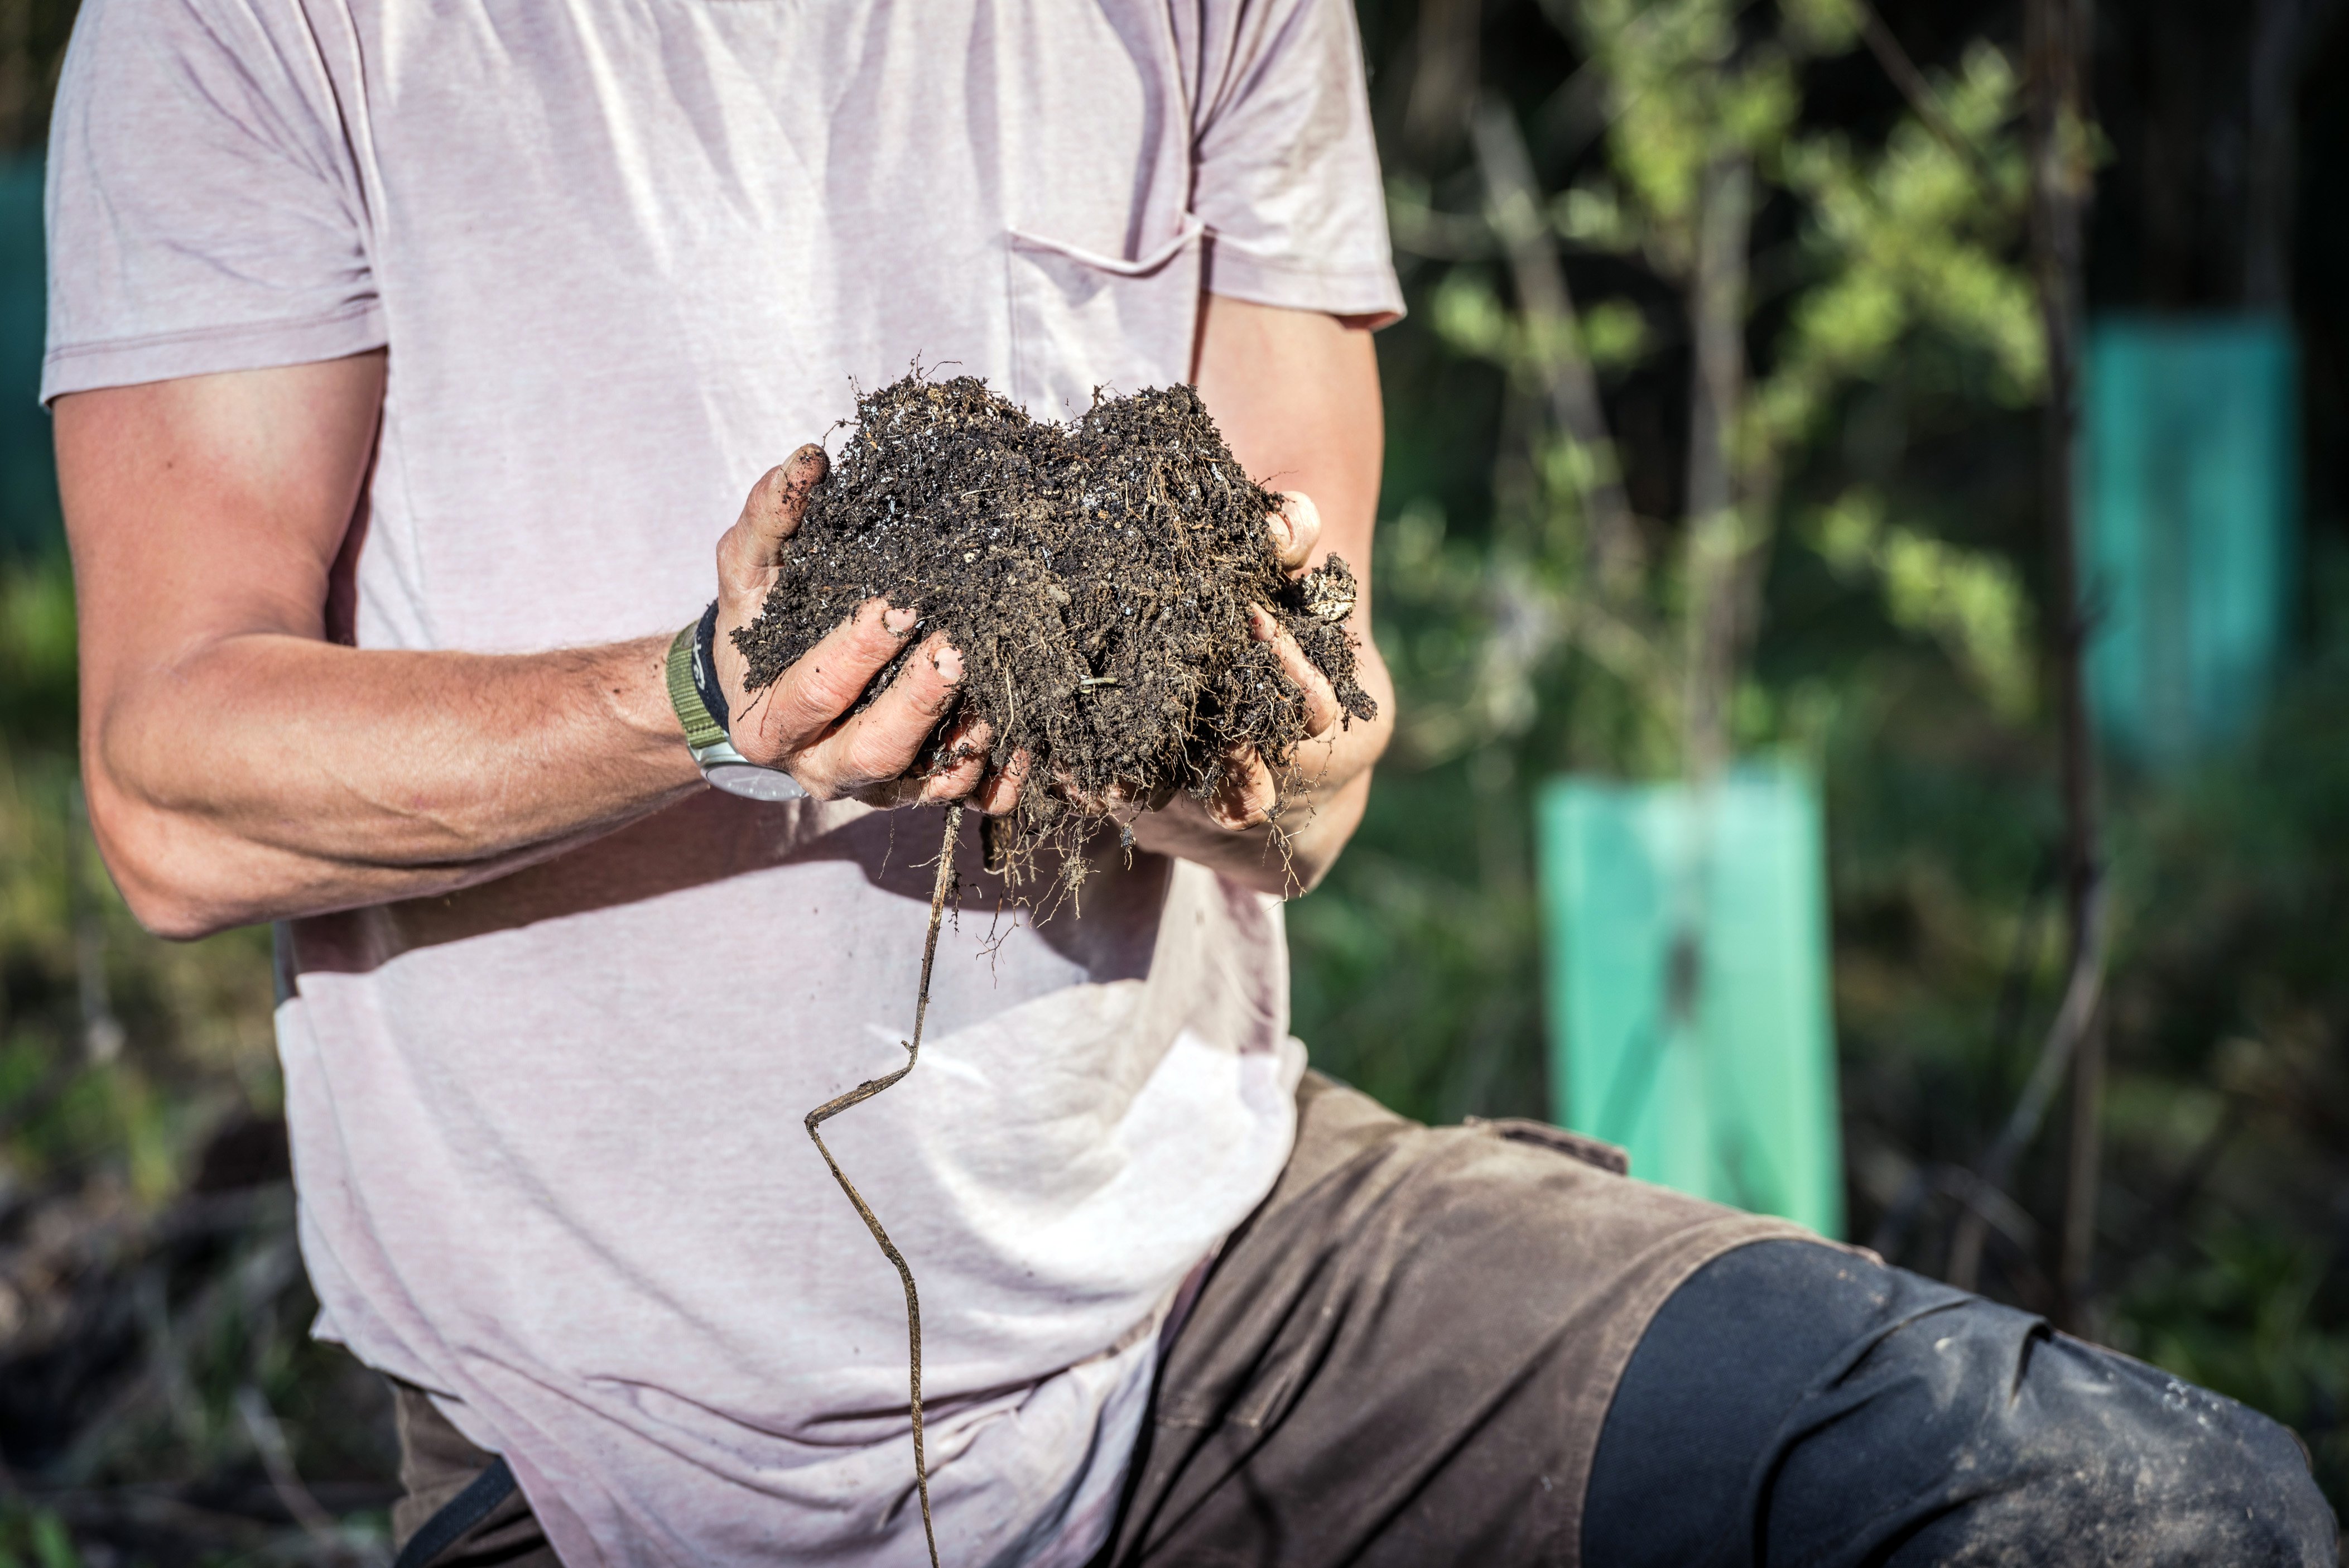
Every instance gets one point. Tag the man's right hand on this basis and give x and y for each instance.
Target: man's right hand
(802, 723)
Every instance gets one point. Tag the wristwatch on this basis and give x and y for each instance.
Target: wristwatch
(701, 704)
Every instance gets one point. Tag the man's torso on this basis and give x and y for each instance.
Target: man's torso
(626, 255)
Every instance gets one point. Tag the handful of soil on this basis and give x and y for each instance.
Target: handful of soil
(1096, 577)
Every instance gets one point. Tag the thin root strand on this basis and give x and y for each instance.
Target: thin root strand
(857, 1097)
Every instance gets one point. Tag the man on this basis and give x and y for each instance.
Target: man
(408, 360)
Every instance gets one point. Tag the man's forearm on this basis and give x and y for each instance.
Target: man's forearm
(242, 766)
(271, 775)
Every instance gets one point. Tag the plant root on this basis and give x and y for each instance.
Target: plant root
(858, 1095)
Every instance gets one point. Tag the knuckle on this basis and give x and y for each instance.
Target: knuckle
(762, 510)
(868, 638)
(801, 709)
(952, 786)
(737, 557)
(930, 698)
(870, 757)
(772, 484)
(831, 688)
(757, 747)
(825, 683)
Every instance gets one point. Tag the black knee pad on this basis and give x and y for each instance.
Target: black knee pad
(2097, 1459)
(1793, 1403)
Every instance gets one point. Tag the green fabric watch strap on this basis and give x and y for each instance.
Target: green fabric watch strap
(701, 704)
(702, 730)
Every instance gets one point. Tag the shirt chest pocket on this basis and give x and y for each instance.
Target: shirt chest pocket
(1081, 319)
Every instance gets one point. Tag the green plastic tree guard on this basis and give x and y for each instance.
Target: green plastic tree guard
(2187, 476)
(1686, 936)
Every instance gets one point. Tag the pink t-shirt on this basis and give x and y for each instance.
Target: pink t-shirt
(625, 254)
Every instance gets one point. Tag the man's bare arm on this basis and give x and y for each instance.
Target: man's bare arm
(1296, 394)
(240, 767)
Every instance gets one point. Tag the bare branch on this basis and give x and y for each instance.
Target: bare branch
(2083, 994)
(1923, 99)
(1571, 386)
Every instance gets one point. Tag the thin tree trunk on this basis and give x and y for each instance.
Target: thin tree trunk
(2273, 165)
(1717, 328)
(1986, 1192)
(1722, 561)
(1443, 74)
(2058, 44)
(2058, 47)
(20, 76)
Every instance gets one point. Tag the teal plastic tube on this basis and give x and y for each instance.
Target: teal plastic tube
(2188, 495)
(1685, 935)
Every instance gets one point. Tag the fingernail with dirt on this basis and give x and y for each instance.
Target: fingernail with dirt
(899, 622)
(947, 662)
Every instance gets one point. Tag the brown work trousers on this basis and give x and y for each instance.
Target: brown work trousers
(1402, 1358)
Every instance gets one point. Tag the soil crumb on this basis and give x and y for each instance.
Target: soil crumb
(1096, 576)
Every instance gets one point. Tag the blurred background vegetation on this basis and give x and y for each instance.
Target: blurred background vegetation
(1578, 571)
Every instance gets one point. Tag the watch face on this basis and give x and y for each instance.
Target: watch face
(753, 782)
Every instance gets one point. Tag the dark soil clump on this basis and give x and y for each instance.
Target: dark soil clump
(1095, 576)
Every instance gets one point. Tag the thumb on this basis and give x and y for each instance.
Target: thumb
(748, 552)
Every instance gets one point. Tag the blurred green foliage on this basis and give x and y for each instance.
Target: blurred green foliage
(1898, 266)
(1891, 510)
(35, 1538)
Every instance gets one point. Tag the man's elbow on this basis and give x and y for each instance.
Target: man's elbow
(170, 882)
(177, 910)
(178, 919)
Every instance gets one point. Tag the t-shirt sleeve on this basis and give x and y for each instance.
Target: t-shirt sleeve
(203, 210)
(1287, 174)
